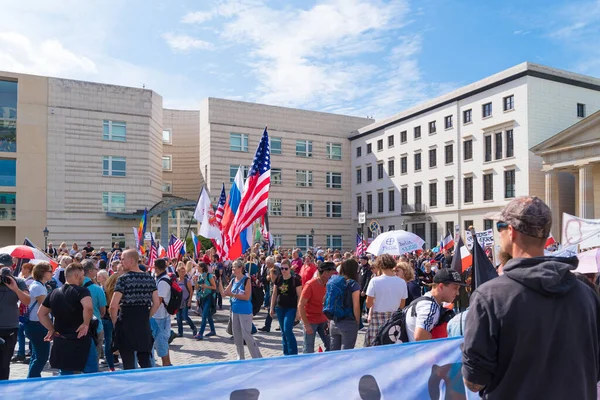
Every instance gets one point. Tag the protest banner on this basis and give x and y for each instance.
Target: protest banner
(585, 232)
(485, 239)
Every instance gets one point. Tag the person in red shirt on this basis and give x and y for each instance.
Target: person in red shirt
(311, 308)
(309, 269)
(296, 262)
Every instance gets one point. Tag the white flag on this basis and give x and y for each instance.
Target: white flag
(205, 214)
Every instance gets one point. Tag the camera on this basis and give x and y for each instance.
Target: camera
(5, 279)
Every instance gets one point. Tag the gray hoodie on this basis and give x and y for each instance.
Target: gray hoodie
(534, 333)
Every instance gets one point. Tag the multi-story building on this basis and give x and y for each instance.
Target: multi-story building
(455, 158)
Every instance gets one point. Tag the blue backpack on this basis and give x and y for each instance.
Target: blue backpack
(338, 299)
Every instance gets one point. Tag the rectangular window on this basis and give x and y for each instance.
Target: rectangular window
(275, 207)
(167, 162)
(358, 176)
(419, 230)
(417, 132)
(468, 189)
(304, 148)
(333, 180)
(118, 238)
(233, 169)
(403, 165)
(304, 242)
(499, 146)
(432, 158)
(391, 167)
(580, 110)
(380, 145)
(468, 224)
(114, 130)
(404, 196)
(167, 187)
(113, 166)
(510, 146)
(391, 228)
(403, 137)
(449, 192)
(359, 204)
(391, 200)
(167, 137)
(449, 153)
(379, 202)
(369, 203)
(379, 170)
(8, 120)
(358, 151)
(488, 147)
(418, 198)
(334, 151)
(488, 187)
(433, 234)
(334, 242)
(391, 141)
(276, 176)
(486, 110)
(432, 128)
(369, 148)
(448, 122)
(8, 172)
(304, 178)
(238, 142)
(417, 162)
(509, 103)
(468, 149)
(8, 207)
(333, 209)
(113, 202)
(433, 194)
(509, 184)
(467, 116)
(369, 173)
(277, 240)
(304, 208)
(449, 228)
(275, 145)
(488, 224)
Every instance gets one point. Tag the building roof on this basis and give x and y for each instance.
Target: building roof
(508, 75)
(581, 134)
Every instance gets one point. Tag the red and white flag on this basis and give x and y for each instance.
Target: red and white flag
(462, 257)
(447, 242)
(361, 246)
(550, 241)
(175, 246)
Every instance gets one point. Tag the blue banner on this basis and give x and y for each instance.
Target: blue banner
(423, 370)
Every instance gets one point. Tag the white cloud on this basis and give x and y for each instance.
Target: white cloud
(197, 17)
(185, 42)
(521, 32)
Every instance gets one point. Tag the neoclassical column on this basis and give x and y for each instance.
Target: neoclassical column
(552, 200)
(586, 191)
(164, 229)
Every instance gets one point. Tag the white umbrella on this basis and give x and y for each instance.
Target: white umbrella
(589, 262)
(395, 243)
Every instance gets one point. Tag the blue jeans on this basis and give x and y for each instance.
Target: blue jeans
(286, 317)
(161, 331)
(36, 332)
(183, 314)
(91, 365)
(309, 340)
(108, 333)
(207, 303)
(21, 341)
(267, 302)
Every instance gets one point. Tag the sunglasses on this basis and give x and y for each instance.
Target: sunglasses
(284, 269)
(500, 226)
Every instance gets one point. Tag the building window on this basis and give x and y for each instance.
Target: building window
(468, 224)
(8, 207)
(304, 208)
(433, 194)
(304, 178)
(334, 242)
(419, 230)
(358, 151)
(118, 238)
(8, 118)
(486, 110)
(369, 148)
(8, 172)
(510, 146)
(509, 184)
(391, 200)
(277, 240)
(304, 242)
(167, 162)
(433, 234)
(449, 228)
(233, 169)
(403, 137)
(380, 170)
(449, 192)
(391, 228)
(334, 151)
(276, 176)
(333, 180)
(448, 122)
(468, 149)
(391, 167)
(275, 145)
(167, 187)
(113, 202)
(167, 137)
(380, 145)
(391, 141)
(238, 142)
(275, 207)
(432, 128)
(467, 116)
(580, 110)
(417, 132)
(379, 202)
(418, 198)
(113, 166)
(449, 153)
(404, 196)
(488, 187)
(304, 148)
(417, 162)
(358, 176)
(498, 145)
(369, 173)
(509, 103)
(468, 189)
(369, 203)
(333, 209)
(432, 158)
(487, 140)
(359, 204)
(114, 130)
(403, 165)
(488, 224)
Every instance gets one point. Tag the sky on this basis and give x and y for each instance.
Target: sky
(357, 57)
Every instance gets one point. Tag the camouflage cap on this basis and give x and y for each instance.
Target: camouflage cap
(528, 215)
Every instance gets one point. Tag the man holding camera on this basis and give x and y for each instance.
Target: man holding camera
(12, 290)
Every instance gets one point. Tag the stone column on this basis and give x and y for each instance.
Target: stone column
(164, 229)
(552, 200)
(586, 191)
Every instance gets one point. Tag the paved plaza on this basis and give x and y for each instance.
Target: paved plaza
(186, 350)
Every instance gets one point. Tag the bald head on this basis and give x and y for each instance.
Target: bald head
(130, 260)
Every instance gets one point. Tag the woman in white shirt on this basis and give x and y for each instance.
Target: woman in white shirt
(385, 294)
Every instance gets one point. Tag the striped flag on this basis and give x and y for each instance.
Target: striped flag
(462, 259)
(175, 246)
(142, 231)
(153, 253)
(447, 242)
(221, 206)
(361, 246)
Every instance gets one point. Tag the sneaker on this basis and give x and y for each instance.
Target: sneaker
(194, 332)
(111, 369)
(264, 329)
(209, 334)
(198, 337)
(278, 329)
(18, 358)
(172, 337)
(180, 335)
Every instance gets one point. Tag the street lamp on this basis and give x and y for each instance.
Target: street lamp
(46, 232)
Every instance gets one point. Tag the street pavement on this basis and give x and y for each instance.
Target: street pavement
(186, 350)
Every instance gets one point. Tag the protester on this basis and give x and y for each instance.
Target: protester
(426, 280)
(344, 332)
(273, 274)
(51, 251)
(364, 277)
(296, 262)
(27, 276)
(98, 301)
(88, 248)
(284, 303)
(405, 271)
(107, 324)
(309, 269)
(74, 250)
(207, 288)
(160, 323)
(533, 332)
(185, 283)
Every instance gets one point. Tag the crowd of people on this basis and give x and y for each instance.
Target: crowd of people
(537, 311)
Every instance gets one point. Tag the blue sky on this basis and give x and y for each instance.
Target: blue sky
(358, 57)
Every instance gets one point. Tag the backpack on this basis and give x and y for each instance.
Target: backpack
(176, 294)
(338, 299)
(258, 295)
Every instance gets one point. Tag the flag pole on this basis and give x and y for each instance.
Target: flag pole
(187, 232)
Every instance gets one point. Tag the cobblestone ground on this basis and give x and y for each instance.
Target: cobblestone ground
(186, 350)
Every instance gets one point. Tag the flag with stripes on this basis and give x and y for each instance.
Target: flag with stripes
(153, 253)
(175, 246)
(221, 206)
(361, 246)
(255, 197)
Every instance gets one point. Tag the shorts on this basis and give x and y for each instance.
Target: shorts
(161, 330)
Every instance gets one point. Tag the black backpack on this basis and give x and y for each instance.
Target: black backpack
(176, 294)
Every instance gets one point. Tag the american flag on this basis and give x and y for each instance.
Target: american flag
(221, 206)
(255, 199)
(175, 246)
(153, 253)
(361, 246)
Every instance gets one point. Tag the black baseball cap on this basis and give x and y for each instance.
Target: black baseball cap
(326, 266)
(364, 257)
(447, 275)
(6, 260)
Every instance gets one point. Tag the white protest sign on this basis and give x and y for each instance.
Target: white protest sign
(485, 238)
(585, 232)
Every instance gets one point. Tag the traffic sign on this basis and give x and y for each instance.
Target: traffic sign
(362, 217)
(374, 226)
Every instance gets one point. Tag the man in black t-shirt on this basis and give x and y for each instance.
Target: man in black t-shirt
(71, 305)
(88, 248)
